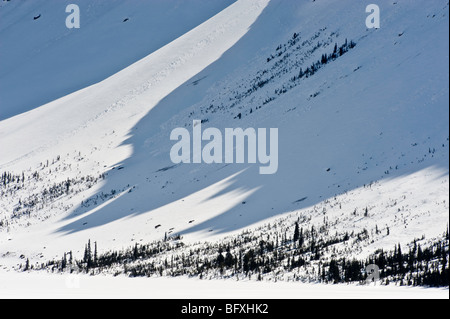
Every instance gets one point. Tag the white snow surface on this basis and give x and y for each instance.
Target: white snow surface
(376, 116)
(43, 60)
(45, 286)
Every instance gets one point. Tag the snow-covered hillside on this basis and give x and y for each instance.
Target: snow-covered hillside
(42, 60)
(363, 133)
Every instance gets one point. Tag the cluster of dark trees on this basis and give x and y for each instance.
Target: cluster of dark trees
(427, 267)
(259, 82)
(325, 59)
(51, 193)
(281, 67)
(288, 56)
(416, 267)
(102, 197)
(92, 260)
(7, 178)
(260, 256)
(11, 183)
(314, 67)
(282, 48)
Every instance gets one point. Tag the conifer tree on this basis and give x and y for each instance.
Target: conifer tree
(296, 232)
(95, 253)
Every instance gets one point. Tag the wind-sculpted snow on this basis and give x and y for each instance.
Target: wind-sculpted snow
(43, 60)
(362, 119)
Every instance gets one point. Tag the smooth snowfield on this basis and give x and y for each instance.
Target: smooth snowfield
(42, 286)
(50, 60)
(368, 130)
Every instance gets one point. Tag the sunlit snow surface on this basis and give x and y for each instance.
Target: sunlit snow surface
(36, 285)
(376, 116)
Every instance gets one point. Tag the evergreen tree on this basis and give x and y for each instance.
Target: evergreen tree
(400, 257)
(301, 238)
(220, 259)
(333, 272)
(64, 261)
(296, 232)
(135, 251)
(419, 254)
(88, 255)
(229, 259)
(95, 253)
(27, 265)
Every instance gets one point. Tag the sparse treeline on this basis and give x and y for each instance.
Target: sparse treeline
(293, 253)
(8, 177)
(12, 184)
(417, 267)
(302, 73)
(337, 52)
(285, 66)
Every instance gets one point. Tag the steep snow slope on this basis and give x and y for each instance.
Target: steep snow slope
(377, 115)
(108, 110)
(42, 60)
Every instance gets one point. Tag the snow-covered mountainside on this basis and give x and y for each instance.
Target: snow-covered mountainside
(50, 60)
(362, 118)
